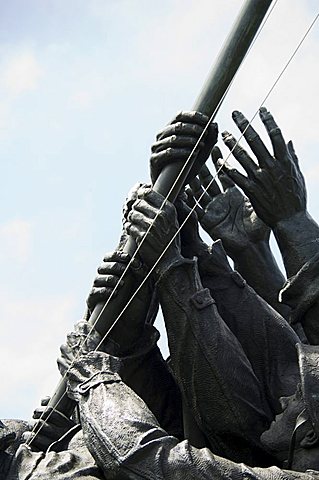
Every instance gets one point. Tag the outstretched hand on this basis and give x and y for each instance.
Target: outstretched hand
(274, 185)
(226, 213)
(175, 142)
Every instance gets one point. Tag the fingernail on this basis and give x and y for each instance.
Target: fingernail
(226, 135)
(238, 117)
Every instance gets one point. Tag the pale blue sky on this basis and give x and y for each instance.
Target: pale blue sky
(84, 87)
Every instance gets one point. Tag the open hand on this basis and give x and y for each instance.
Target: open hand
(274, 185)
(226, 214)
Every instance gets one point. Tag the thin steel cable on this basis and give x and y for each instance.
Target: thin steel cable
(190, 213)
(160, 209)
(212, 180)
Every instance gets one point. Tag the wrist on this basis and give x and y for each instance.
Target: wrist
(170, 257)
(253, 251)
(259, 268)
(89, 371)
(195, 249)
(298, 240)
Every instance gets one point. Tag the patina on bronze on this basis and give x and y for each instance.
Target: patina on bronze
(208, 102)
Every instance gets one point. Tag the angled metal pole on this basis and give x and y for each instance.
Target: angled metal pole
(226, 65)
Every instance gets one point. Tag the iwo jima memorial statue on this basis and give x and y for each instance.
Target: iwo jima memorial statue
(239, 396)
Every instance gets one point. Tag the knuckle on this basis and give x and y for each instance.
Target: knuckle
(274, 131)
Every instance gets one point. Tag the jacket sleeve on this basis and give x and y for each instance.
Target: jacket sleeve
(127, 442)
(212, 370)
(267, 339)
(301, 293)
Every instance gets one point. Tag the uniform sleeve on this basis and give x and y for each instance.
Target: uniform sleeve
(267, 339)
(301, 293)
(127, 442)
(213, 372)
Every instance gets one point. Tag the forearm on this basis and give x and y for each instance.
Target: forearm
(259, 268)
(249, 317)
(298, 240)
(144, 450)
(146, 372)
(208, 361)
(301, 293)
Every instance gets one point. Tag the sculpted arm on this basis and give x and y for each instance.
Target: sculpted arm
(143, 450)
(228, 215)
(276, 189)
(198, 337)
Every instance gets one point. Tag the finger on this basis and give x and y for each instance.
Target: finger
(63, 366)
(218, 161)
(292, 152)
(99, 295)
(169, 155)
(180, 128)
(89, 337)
(199, 193)
(254, 141)
(239, 179)
(111, 268)
(117, 257)
(42, 413)
(218, 164)
(240, 154)
(154, 200)
(144, 207)
(48, 431)
(200, 156)
(39, 412)
(175, 141)
(135, 232)
(226, 181)
(141, 219)
(54, 417)
(140, 222)
(216, 155)
(107, 281)
(192, 203)
(209, 182)
(274, 132)
(45, 401)
(66, 350)
(26, 436)
(81, 329)
(191, 117)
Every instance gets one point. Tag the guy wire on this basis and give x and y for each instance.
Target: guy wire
(161, 207)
